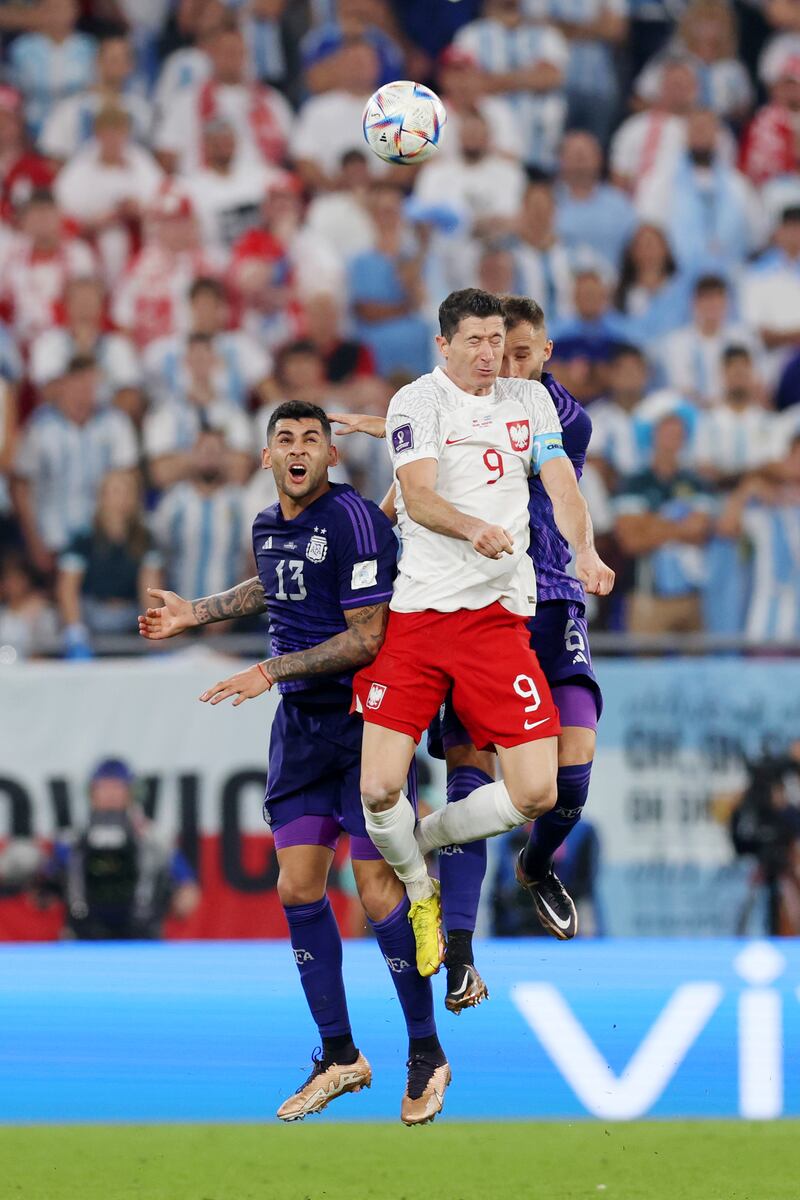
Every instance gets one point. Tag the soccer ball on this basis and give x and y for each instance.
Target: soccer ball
(403, 122)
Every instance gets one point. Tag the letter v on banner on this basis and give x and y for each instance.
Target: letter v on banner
(652, 1065)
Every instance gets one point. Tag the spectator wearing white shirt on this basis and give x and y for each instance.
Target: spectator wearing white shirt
(84, 332)
(171, 430)
(340, 216)
(526, 65)
(461, 85)
(151, 299)
(36, 265)
(709, 210)
(226, 191)
(484, 189)
(65, 450)
(202, 525)
(691, 357)
(240, 365)
(595, 29)
(259, 114)
(653, 138)
(106, 187)
(739, 434)
(707, 37)
(71, 123)
(330, 124)
(189, 66)
(770, 293)
(53, 63)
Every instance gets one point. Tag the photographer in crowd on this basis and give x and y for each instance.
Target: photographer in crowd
(766, 825)
(117, 877)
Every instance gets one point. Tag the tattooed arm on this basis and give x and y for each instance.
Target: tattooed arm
(340, 654)
(177, 614)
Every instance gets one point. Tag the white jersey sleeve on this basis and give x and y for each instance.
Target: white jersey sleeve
(414, 423)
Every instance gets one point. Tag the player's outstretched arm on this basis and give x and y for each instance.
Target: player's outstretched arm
(177, 615)
(359, 423)
(345, 652)
(425, 506)
(572, 518)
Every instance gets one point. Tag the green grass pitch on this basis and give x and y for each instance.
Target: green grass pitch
(669, 1160)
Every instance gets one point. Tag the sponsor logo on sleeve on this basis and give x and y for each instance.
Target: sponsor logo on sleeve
(519, 433)
(402, 439)
(365, 574)
(376, 693)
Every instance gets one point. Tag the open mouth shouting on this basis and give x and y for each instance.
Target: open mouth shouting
(298, 472)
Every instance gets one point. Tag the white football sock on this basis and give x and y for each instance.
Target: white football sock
(392, 832)
(483, 813)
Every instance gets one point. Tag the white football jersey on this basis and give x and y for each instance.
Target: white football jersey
(486, 448)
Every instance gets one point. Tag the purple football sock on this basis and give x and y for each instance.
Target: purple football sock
(462, 868)
(317, 947)
(551, 830)
(396, 940)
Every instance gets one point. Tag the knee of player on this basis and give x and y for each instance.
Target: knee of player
(379, 896)
(537, 799)
(378, 792)
(293, 890)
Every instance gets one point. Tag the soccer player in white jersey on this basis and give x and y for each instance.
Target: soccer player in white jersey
(463, 443)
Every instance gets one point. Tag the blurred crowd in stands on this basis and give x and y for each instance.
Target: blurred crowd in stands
(193, 230)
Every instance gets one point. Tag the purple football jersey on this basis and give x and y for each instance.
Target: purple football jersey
(339, 553)
(549, 551)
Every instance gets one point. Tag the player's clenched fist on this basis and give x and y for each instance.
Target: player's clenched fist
(176, 616)
(596, 577)
(492, 541)
(245, 685)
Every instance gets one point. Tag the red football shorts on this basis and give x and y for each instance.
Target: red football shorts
(499, 691)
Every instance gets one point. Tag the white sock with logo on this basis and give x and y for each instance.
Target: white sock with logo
(392, 832)
(483, 813)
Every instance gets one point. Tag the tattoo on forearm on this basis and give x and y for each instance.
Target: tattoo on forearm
(345, 652)
(243, 600)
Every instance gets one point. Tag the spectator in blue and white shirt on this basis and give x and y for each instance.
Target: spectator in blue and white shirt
(71, 123)
(170, 430)
(594, 29)
(50, 65)
(202, 525)
(526, 64)
(241, 366)
(663, 521)
(766, 514)
(589, 212)
(66, 449)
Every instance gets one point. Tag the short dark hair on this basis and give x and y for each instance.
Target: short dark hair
(469, 302)
(626, 350)
(736, 351)
(299, 410)
(790, 213)
(710, 283)
(206, 283)
(520, 310)
(80, 362)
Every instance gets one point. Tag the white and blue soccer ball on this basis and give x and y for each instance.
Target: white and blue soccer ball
(403, 122)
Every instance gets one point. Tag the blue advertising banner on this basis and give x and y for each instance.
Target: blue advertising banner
(671, 761)
(220, 1032)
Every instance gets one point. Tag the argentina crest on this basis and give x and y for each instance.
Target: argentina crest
(317, 547)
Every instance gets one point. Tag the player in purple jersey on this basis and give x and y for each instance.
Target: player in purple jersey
(559, 636)
(326, 562)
